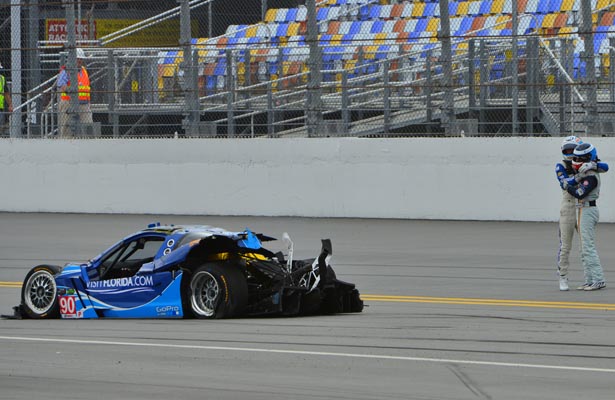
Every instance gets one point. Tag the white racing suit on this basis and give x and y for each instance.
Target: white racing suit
(587, 192)
(567, 219)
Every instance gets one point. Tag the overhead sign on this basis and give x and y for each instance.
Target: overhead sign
(165, 33)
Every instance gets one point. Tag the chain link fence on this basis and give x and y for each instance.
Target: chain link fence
(315, 68)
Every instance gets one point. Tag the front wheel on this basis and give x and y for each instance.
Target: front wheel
(218, 290)
(39, 293)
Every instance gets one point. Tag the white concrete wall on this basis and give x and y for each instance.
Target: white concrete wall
(460, 178)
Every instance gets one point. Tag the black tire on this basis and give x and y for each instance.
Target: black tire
(39, 293)
(217, 290)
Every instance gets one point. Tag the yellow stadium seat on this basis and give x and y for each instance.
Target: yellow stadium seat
(336, 39)
(270, 15)
(251, 31)
(567, 5)
(293, 29)
(497, 7)
(418, 9)
(550, 80)
(380, 38)
(549, 21)
(433, 25)
(603, 4)
(463, 8)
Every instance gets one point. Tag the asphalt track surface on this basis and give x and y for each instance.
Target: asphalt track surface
(455, 310)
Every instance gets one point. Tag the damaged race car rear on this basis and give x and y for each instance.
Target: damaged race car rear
(189, 271)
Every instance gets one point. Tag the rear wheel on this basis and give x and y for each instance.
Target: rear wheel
(218, 290)
(39, 293)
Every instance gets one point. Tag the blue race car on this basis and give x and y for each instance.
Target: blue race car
(188, 271)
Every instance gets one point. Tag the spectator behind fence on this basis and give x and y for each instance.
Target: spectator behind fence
(84, 112)
(6, 105)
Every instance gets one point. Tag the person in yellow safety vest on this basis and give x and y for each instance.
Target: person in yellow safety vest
(6, 105)
(84, 112)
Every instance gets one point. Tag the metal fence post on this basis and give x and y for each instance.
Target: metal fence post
(471, 78)
(230, 95)
(428, 91)
(515, 68)
(386, 98)
(447, 68)
(113, 117)
(483, 86)
(533, 67)
(345, 103)
(612, 72)
(270, 111)
(586, 32)
(191, 99)
(314, 100)
(71, 65)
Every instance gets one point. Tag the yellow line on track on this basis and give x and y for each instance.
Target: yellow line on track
(490, 302)
(10, 284)
(457, 300)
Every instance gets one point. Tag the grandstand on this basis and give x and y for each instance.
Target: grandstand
(382, 71)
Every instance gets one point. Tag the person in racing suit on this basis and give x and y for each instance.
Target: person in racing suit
(568, 212)
(586, 189)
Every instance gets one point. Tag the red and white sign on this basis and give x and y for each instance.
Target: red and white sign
(56, 30)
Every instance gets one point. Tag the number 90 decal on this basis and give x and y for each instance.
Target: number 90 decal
(67, 305)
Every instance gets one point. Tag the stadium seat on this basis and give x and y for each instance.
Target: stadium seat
(452, 8)
(567, 5)
(463, 9)
(532, 6)
(322, 13)
(397, 10)
(345, 27)
(485, 7)
(385, 11)
(301, 14)
(377, 27)
(474, 8)
(291, 15)
(407, 11)
(430, 10)
(543, 7)
(555, 6)
(417, 10)
(270, 15)
(497, 7)
(374, 12)
(400, 26)
(389, 26)
(334, 27)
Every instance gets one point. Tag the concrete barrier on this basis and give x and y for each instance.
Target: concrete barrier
(414, 178)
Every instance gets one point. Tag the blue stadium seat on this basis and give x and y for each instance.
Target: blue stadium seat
(555, 6)
(374, 12)
(377, 27)
(466, 24)
(291, 15)
(543, 7)
(170, 58)
(322, 13)
(282, 29)
(485, 7)
(421, 25)
(452, 8)
(364, 13)
(430, 10)
(355, 28)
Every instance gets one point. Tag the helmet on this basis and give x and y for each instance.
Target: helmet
(568, 146)
(80, 53)
(583, 153)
